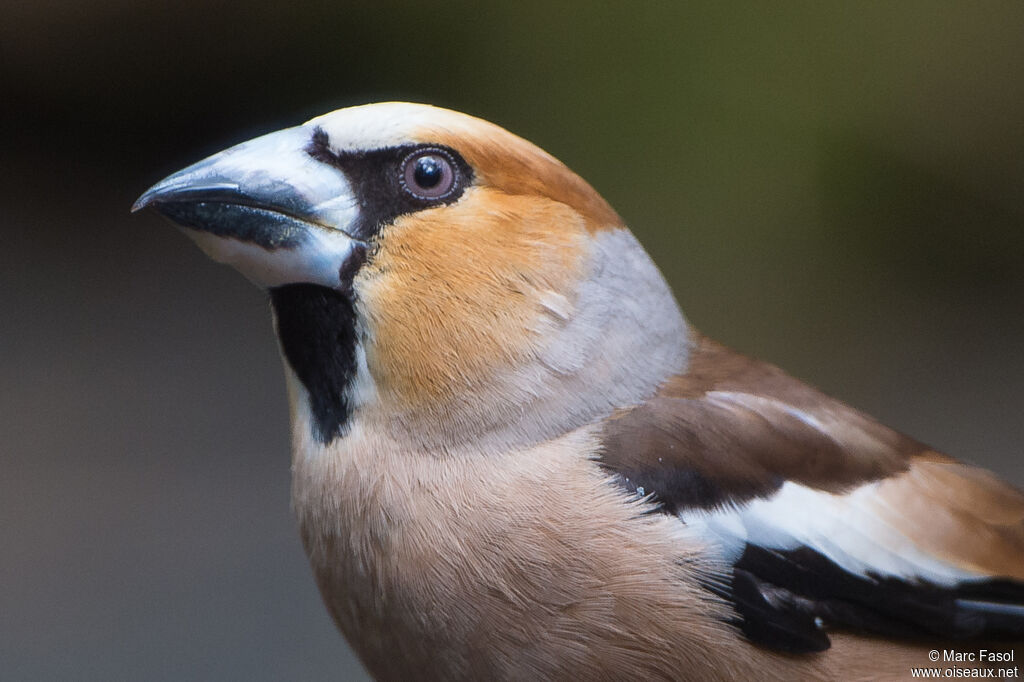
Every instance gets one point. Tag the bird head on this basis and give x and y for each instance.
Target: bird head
(433, 273)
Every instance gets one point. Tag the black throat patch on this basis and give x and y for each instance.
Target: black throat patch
(317, 330)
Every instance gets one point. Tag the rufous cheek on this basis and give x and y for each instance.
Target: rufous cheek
(454, 294)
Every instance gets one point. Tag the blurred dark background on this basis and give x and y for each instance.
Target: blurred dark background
(836, 187)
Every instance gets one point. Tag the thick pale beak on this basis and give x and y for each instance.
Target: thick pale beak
(267, 208)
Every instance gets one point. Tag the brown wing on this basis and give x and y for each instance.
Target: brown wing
(822, 511)
(962, 515)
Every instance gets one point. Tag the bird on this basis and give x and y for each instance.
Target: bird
(513, 457)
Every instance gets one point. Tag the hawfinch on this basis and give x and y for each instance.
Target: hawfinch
(513, 458)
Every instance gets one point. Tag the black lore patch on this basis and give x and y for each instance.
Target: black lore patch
(317, 330)
(376, 177)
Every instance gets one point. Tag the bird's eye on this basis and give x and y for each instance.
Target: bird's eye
(428, 174)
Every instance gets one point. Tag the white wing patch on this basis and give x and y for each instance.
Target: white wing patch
(847, 529)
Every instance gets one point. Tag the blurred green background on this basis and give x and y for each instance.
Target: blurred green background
(833, 186)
